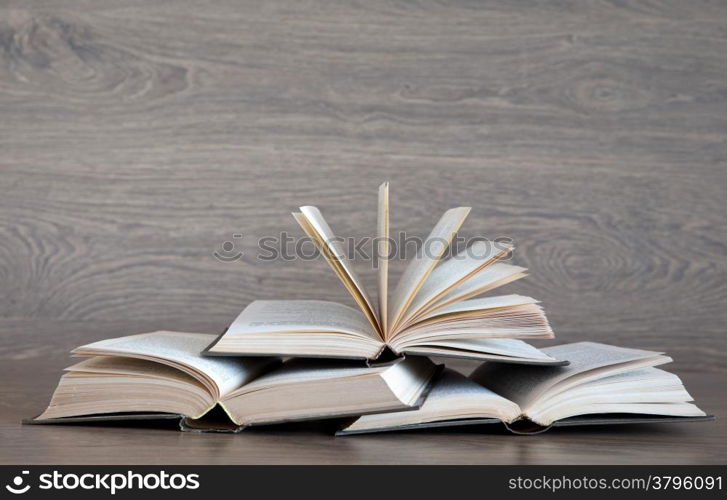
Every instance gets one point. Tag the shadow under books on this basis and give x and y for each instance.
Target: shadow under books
(327, 428)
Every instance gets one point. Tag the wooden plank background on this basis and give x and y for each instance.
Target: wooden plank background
(136, 137)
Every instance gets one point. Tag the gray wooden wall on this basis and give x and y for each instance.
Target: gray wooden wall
(136, 137)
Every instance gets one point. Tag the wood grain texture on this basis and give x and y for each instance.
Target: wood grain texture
(137, 137)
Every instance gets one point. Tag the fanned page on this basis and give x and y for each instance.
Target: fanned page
(525, 385)
(453, 272)
(646, 391)
(109, 385)
(116, 365)
(489, 278)
(420, 268)
(299, 328)
(507, 316)
(383, 248)
(485, 305)
(313, 223)
(182, 350)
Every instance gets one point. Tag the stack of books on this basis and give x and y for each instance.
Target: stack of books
(370, 368)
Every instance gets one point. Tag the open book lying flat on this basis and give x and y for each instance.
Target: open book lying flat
(432, 310)
(162, 373)
(603, 384)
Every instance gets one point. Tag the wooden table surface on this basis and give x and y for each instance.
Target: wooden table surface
(137, 137)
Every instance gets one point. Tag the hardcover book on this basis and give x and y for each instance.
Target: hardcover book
(433, 310)
(603, 384)
(162, 375)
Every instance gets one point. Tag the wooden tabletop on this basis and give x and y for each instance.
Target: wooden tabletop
(140, 140)
(29, 371)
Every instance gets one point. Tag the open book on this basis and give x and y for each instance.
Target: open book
(163, 373)
(602, 384)
(431, 311)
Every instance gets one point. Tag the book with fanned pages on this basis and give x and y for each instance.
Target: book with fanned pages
(161, 375)
(602, 385)
(435, 309)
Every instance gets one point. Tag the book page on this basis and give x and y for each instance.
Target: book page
(114, 384)
(406, 379)
(455, 271)
(647, 390)
(507, 348)
(313, 389)
(299, 370)
(524, 384)
(489, 278)
(428, 257)
(332, 262)
(182, 350)
(116, 365)
(453, 396)
(300, 316)
(482, 304)
(646, 385)
(664, 409)
(313, 223)
(383, 248)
